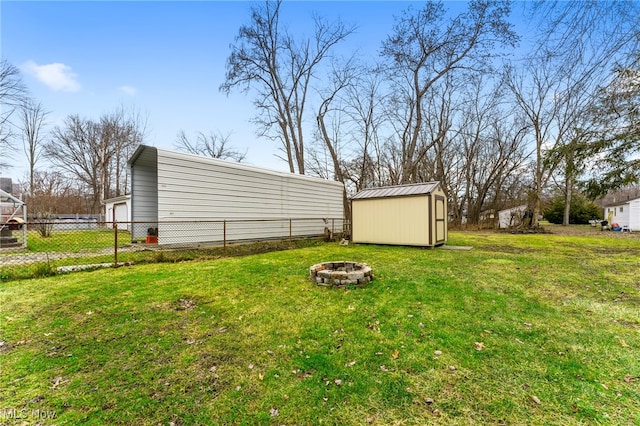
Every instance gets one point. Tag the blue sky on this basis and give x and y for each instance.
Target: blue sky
(165, 58)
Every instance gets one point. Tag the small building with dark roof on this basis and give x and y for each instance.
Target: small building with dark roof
(626, 214)
(411, 215)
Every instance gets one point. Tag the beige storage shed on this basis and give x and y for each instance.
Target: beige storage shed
(410, 215)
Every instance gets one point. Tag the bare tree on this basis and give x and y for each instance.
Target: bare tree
(578, 44)
(280, 69)
(75, 150)
(424, 48)
(342, 77)
(34, 118)
(12, 94)
(350, 129)
(93, 152)
(364, 106)
(212, 145)
(615, 143)
(124, 130)
(53, 193)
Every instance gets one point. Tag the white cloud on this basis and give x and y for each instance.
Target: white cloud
(58, 77)
(128, 90)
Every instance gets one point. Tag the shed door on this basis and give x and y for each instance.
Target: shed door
(121, 215)
(441, 218)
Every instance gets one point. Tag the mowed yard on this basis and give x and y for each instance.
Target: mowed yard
(523, 329)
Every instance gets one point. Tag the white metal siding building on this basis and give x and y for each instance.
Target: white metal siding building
(118, 209)
(625, 213)
(170, 187)
(412, 215)
(512, 217)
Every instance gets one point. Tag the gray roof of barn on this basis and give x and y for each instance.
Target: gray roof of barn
(397, 191)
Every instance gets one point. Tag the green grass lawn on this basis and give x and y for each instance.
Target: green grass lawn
(523, 329)
(74, 241)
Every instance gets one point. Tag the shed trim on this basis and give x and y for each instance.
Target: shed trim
(408, 190)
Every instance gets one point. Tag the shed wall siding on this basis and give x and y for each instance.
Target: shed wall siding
(634, 215)
(189, 188)
(397, 220)
(192, 189)
(144, 184)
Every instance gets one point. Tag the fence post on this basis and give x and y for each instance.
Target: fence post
(224, 236)
(115, 243)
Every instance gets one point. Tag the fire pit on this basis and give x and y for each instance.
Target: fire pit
(339, 274)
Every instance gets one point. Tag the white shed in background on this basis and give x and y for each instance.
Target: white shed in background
(511, 218)
(182, 194)
(118, 209)
(624, 213)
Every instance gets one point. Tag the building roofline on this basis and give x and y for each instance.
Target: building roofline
(621, 203)
(230, 164)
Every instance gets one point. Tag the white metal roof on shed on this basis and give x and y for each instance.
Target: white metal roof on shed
(622, 202)
(397, 191)
(174, 155)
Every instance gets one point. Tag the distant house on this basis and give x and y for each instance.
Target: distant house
(118, 209)
(511, 218)
(625, 213)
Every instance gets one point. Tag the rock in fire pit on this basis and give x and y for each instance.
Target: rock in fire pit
(339, 274)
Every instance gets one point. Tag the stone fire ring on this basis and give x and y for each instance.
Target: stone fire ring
(340, 274)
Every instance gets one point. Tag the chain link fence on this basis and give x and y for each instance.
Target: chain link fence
(40, 248)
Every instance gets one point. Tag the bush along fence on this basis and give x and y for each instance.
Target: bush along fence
(43, 248)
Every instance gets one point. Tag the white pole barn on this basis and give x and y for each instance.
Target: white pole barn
(170, 188)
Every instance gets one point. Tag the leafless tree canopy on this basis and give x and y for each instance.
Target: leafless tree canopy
(214, 145)
(425, 49)
(555, 87)
(53, 193)
(95, 152)
(280, 69)
(615, 141)
(33, 117)
(12, 94)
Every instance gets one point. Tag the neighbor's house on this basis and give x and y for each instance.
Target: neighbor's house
(625, 213)
(191, 199)
(118, 209)
(411, 215)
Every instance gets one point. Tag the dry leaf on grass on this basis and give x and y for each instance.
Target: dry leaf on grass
(395, 354)
(56, 382)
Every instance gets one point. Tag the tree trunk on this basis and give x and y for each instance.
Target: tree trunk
(567, 200)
